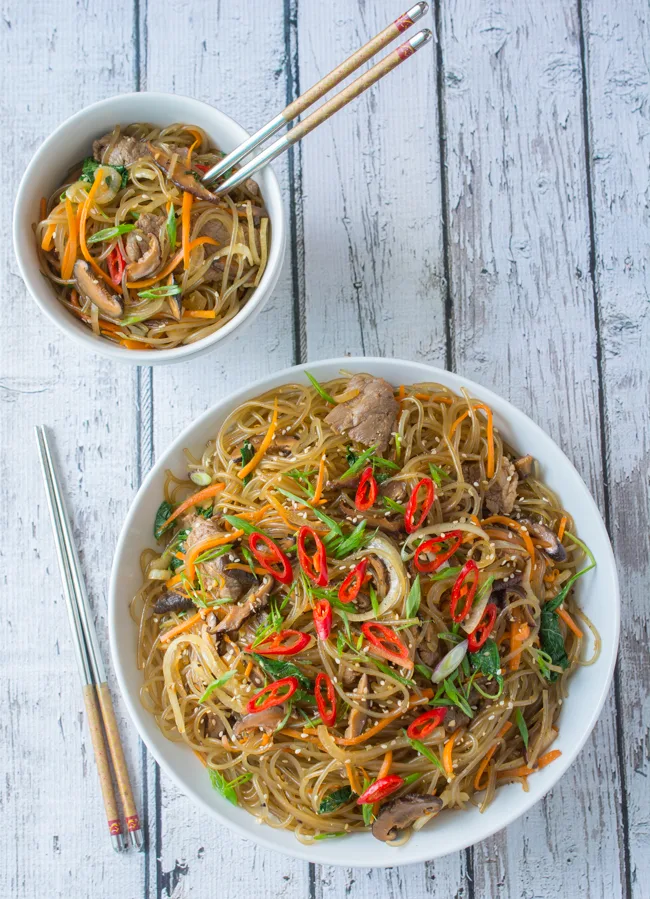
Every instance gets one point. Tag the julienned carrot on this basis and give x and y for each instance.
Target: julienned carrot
(206, 493)
(239, 566)
(433, 399)
(488, 755)
(489, 468)
(352, 777)
(447, 762)
(85, 210)
(201, 758)
(384, 771)
(46, 243)
(519, 633)
(561, 528)
(264, 445)
(279, 508)
(200, 241)
(525, 771)
(401, 393)
(134, 344)
(43, 209)
(521, 529)
(70, 252)
(186, 209)
(372, 731)
(183, 626)
(197, 141)
(249, 668)
(258, 515)
(191, 314)
(140, 285)
(199, 548)
(570, 623)
(319, 481)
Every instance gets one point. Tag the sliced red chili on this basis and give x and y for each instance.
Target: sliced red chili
(483, 629)
(274, 561)
(426, 484)
(116, 265)
(273, 694)
(349, 589)
(284, 643)
(428, 547)
(366, 491)
(323, 619)
(380, 789)
(463, 590)
(426, 723)
(201, 168)
(314, 565)
(325, 698)
(386, 643)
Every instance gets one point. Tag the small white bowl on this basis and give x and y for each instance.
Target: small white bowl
(71, 142)
(452, 830)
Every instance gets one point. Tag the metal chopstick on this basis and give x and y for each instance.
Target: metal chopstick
(361, 84)
(304, 101)
(91, 665)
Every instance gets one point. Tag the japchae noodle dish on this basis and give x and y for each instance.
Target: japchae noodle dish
(363, 611)
(140, 250)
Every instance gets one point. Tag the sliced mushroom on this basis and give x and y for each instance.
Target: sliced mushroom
(284, 446)
(400, 813)
(358, 718)
(256, 599)
(148, 262)
(94, 290)
(395, 490)
(176, 306)
(267, 720)
(172, 602)
(525, 466)
(184, 178)
(235, 582)
(551, 545)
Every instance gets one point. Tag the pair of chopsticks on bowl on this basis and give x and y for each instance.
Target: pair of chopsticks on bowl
(299, 105)
(99, 706)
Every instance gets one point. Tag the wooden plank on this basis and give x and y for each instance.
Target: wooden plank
(373, 277)
(616, 40)
(523, 322)
(57, 58)
(233, 57)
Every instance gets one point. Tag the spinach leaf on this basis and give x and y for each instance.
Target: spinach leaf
(336, 799)
(486, 659)
(206, 513)
(551, 639)
(277, 670)
(90, 166)
(165, 509)
(247, 453)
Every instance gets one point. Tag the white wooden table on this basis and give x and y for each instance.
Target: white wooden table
(485, 208)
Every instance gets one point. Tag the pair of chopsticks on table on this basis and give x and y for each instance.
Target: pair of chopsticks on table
(99, 706)
(298, 106)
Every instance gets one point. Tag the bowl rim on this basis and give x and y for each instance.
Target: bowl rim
(34, 281)
(218, 411)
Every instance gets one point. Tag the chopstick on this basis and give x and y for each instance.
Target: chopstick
(361, 84)
(304, 101)
(99, 706)
(358, 86)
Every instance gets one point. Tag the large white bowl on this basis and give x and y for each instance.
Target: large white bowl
(453, 830)
(71, 142)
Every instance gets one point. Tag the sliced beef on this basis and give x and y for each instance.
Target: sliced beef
(525, 466)
(172, 602)
(236, 581)
(502, 489)
(370, 417)
(125, 151)
(203, 529)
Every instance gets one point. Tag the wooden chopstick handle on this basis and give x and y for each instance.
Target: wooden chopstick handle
(351, 64)
(117, 755)
(361, 84)
(101, 758)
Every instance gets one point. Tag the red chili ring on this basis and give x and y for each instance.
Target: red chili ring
(411, 506)
(426, 723)
(460, 590)
(366, 491)
(328, 715)
(349, 589)
(483, 629)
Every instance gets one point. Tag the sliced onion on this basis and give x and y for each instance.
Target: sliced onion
(450, 662)
(200, 477)
(471, 623)
(159, 574)
(387, 552)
